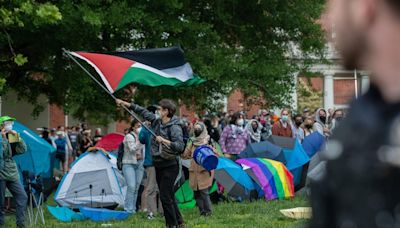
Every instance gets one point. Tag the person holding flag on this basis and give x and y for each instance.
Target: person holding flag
(165, 148)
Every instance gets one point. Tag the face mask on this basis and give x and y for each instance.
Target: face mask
(157, 115)
(240, 122)
(309, 126)
(138, 130)
(8, 127)
(298, 123)
(197, 132)
(323, 119)
(255, 129)
(285, 118)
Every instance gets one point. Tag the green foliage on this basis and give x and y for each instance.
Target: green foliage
(20, 60)
(233, 44)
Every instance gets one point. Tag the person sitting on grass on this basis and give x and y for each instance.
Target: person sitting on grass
(200, 179)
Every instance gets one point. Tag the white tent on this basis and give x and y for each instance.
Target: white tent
(93, 181)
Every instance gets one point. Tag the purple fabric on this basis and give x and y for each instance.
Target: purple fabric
(269, 195)
(231, 145)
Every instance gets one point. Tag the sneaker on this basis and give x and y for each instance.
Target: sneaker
(150, 216)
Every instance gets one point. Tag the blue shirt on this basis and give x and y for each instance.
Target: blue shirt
(145, 138)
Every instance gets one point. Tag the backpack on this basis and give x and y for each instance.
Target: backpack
(60, 143)
(185, 134)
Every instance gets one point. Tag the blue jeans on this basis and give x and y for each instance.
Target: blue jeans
(21, 199)
(133, 174)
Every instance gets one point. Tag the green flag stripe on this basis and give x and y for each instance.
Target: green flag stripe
(149, 78)
(278, 182)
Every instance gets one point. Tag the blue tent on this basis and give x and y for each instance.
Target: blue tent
(297, 163)
(37, 159)
(236, 181)
(313, 143)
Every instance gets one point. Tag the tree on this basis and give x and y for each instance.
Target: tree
(233, 44)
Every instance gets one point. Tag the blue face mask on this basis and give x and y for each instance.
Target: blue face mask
(285, 118)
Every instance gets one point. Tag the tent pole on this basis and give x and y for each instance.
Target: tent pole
(108, 92)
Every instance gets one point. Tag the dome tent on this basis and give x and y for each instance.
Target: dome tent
(93, 181)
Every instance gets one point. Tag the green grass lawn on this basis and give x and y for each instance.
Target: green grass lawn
(248, 214)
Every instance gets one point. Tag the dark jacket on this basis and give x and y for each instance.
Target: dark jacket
(361, 185)
(171, 131)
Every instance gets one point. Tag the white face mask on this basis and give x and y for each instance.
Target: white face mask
(158, 116)
(8, 127)
(240, 122)
(138, 130)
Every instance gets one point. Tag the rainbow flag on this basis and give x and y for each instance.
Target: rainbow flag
(272, 176)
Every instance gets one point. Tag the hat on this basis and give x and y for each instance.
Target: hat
(6, 118)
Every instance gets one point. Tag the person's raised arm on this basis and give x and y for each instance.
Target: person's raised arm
(147, 115)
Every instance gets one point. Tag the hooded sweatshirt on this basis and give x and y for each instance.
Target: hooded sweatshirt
(319, 125)
(162, 155)
(254, 135)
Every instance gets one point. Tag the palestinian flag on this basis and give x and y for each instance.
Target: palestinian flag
(150, 67)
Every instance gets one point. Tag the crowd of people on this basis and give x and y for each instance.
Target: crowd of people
(151, 165)
(152, 150)
(154, 161)
(70, 142)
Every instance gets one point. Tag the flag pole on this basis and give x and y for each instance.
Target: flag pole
(107, 91)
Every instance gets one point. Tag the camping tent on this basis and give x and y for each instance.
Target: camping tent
(313, 143)
(284, 142)
(297, 162)
(110, 142)
(236, 182)
(263, 149)
(185, 195)
(38, 157)
(93, 181)
(272, 176)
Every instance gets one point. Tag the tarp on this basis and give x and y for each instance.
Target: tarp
(38, 157)
(110, 142)
(313, 143)
(236, 182)
(297, 163)
(272, 176)
(102, 214)
(263, 149)
(92, 181)
(64, 214)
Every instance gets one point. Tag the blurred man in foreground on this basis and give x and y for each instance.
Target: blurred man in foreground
(361, 185)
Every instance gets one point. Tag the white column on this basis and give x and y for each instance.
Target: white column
(364, 83)
(226, 104)
(328, 90)
(294, 93)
